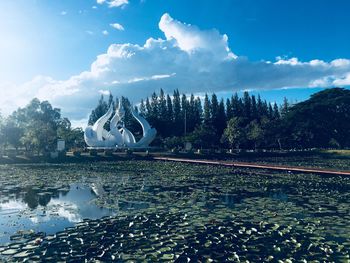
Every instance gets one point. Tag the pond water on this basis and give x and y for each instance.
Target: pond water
(159, 211)
(32, 209)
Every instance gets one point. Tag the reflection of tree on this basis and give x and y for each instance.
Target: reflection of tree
(44, 199)
(63, 191)
(31, 198)
(35, 197)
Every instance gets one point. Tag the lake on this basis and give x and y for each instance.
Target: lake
(163, 211)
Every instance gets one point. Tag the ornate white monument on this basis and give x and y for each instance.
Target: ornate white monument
(96, 136)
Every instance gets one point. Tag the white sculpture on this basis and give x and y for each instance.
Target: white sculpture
(96, 136)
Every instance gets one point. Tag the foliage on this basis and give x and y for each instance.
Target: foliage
(173, 142)
(204, 136)
(37, 127)
(234, 133)
(246, 122)
(321, 121)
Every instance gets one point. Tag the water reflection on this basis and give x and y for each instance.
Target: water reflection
(46, 210)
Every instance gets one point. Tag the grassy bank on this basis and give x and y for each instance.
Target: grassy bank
(327, 159)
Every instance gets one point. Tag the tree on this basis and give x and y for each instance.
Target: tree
(142, 108)
(276, 114)
(247, 105)
(177, 113)
(214, 109)
(185, 113)
(169, 116)
(170, 113)
(206, 110)
(198, 112)
(148, 109)
(254, 108)
(129, 121)
(203, 136)
(74, 138)
(229, 110)
(234, 133)
(35, 127)
(39, 121)
(285, 107)
(162, 106)
(237, 105)
(255, 133)
(221, 118)
(11, 134)
(260, 107)
(321, 121)
(162, 117)
(100, 109)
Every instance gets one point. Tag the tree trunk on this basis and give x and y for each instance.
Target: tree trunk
(279, 143)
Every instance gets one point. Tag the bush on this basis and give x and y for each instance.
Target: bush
(173, 142)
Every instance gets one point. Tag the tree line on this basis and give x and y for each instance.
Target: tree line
(242, 122)
(246, 122)
(36, 128)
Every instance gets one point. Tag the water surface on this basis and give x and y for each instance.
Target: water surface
(169, 211)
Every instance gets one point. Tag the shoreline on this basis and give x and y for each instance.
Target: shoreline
(256, 160)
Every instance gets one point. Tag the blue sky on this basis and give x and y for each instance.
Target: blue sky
(46, 46)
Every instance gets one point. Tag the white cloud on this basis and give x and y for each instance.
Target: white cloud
(105, 32)
(63, 13)
(344, 81)
(118, 3)
(189, 59)
(104, 92)
(117, 26)
(291, 61)
(191, 39)
(13, 205)
(113, 3)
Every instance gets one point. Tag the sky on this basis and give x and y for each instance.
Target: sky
(70, 52)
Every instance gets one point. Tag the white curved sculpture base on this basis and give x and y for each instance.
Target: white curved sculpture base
(96, 136)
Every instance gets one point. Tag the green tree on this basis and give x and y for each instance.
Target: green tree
(100, 109)
(276, 113)
(321, 121)
(148, 109)
(162, 107)
(247, 105)
(143, 108)
(207, 110)
(161, 118)
(203, 136)
(234, 133)
(285, 107)
(198, 112)
(177, 113)
(229, 109)
(11, 134)
(214, 109)
(220, 120)
(254, 108)
(185, 114)
(74, 138)
(255, 133)
(170, 113)
(169, 116)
